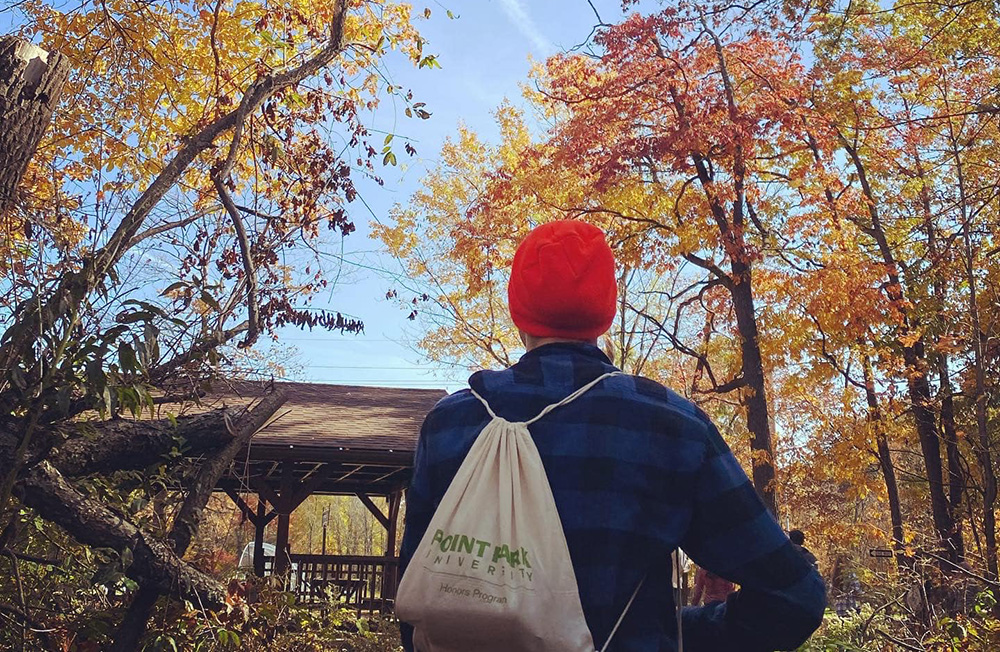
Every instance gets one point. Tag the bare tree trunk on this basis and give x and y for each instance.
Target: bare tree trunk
(930, 446)
(915, 359)
(732, 227)
(755, 397)
(31, 81)
(983, 450)
(885, 463)
(956, 478)
(733, 234)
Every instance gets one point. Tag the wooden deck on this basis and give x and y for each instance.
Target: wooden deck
(358, 582)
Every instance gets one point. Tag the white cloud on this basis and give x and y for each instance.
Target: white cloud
(526, 26)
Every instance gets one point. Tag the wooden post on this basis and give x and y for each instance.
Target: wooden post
(390, 577)
(390, 539)
(260, 518)
(281, 545)
(284, 518)
(258, 538)
(31, 81)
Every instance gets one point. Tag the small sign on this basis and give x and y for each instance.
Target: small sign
(879, 552)
(326, 516)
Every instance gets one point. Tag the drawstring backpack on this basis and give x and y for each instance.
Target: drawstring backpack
(492, 572)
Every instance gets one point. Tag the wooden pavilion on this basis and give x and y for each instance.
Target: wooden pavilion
(332, 440)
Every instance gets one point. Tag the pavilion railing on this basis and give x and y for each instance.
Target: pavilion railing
(357, 582)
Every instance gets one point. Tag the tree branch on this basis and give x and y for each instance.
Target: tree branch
(830, 357)
(725, 387)
(45, 490)
(39, 314)
(249, 270)
(188, 518)
(124, 444)
(725, 279)
(159, 373)
(162, 228)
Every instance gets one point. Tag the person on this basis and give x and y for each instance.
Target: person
(798, 539)
(636, 471)
(844, 585)
(681, 564)
(710, 587)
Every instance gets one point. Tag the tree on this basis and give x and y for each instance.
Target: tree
(457, 236)
(676, 139)
(896, 122)
(191, 149)
(808, 231)
(31, 87)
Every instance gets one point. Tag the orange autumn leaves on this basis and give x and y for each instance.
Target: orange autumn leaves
(703, 140)
(147, 76)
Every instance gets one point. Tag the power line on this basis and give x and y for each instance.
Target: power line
(426, 371)
(411, 368)
(375, 381)
(334, 339)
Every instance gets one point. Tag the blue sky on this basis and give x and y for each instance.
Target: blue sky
(485, 54)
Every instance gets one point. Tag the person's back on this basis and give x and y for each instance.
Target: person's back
(798, 539)
(635, 471)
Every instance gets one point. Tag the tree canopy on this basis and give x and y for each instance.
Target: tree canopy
(200, 159)
(803, 202)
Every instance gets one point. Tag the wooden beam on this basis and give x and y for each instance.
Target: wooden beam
(373, 508)
(330, 488)
(316, 467)
(261, 486)
(244, 508)
(280, 564)
(390, 580)
(350, 473)
(265, 452)
(390, 474)
(307, 488)
(252, 516)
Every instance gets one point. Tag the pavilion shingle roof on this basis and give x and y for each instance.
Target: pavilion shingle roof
(340, 416)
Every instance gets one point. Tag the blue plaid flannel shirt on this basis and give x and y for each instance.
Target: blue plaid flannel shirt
(636, 471)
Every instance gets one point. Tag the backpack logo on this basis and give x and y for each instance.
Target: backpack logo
(469, 553)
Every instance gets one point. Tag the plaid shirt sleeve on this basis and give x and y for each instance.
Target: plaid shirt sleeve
(781, 598)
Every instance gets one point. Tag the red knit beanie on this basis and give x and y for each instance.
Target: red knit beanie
(563, 282)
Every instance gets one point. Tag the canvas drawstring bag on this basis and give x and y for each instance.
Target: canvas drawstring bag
(493, 572)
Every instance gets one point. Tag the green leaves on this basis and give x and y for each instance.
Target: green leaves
(112, 571)
(126, 358)
(985, 602)
(430, 61)
(210, 301)
(389, 157)
(162, 643)
(229, 638)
